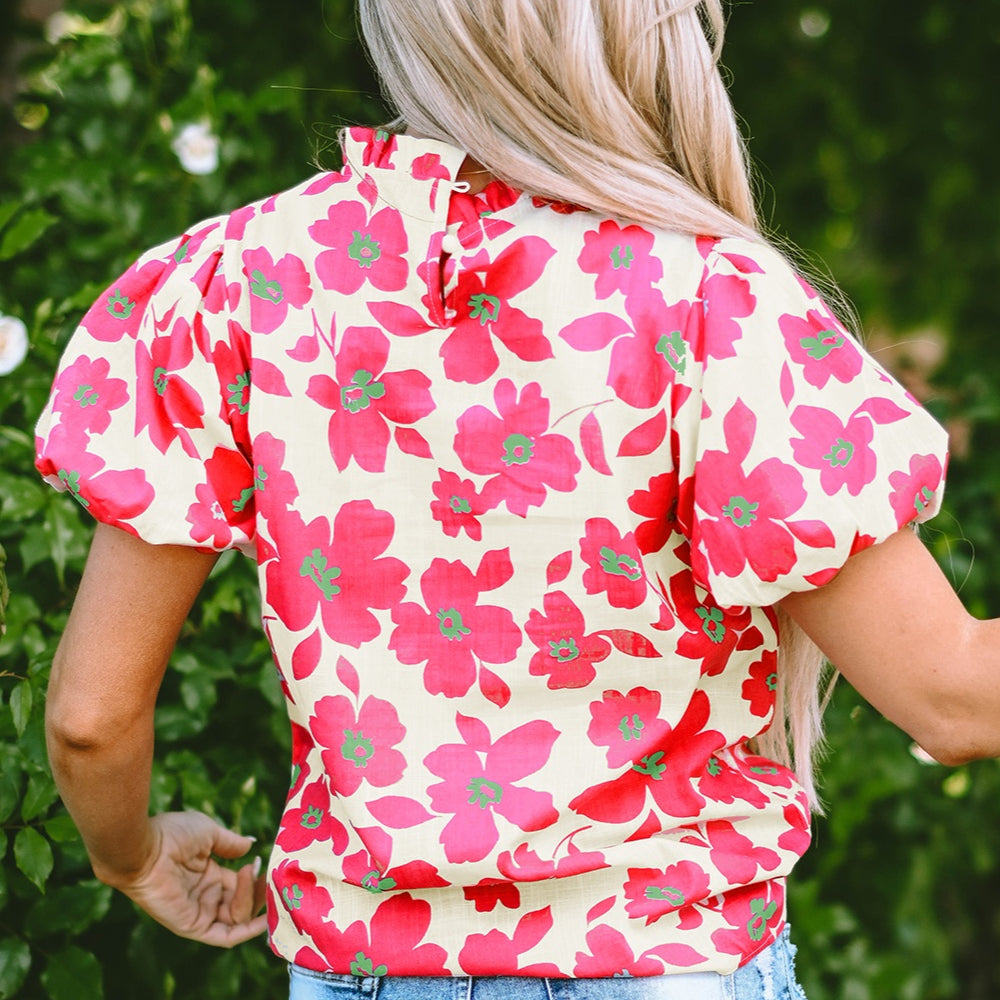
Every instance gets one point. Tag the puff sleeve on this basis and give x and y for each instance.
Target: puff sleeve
(799, 449)
(146, 423)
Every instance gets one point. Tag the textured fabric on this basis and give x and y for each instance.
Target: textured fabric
(770, 975)
(522, 483)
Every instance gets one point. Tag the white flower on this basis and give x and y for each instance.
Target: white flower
(197, 147)
(13, 343)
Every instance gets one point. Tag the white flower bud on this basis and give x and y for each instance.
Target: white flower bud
(13, 343)
(197, 147)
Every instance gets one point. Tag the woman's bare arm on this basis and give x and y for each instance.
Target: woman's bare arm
(129, 610)
(893, 625)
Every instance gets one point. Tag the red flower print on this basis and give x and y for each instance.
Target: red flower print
(164, 402)
(379, 147)
(456, 629)
(722, 782)
(610, 950)
(755, 915)
(482, 302)
(336, 571)
(307, 903)
(613, 563)
(514, 448)
(663, 761)
(735, 856)
(489, 893)
(372, 871)
(821, 346)
(276, 489)
(390, 941)
(760, 686)
(479, 782)
(275, 287)
(566, 654)
(524, 865)
(652, 892)
(840, 451)
(653, 341)
(365, 399)
(913, 492)
(473, 223)
(495, 953)
(798, 837)
(311, 821)
(226, 501)
(458, 506)
(621, 258)
(743, 517)
(85, 395)
(358, 747)
(660, 503)
(361, 248)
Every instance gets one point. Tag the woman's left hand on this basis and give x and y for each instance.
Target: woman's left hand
(184, 888)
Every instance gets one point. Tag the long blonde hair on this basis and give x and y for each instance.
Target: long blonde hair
(616, 105)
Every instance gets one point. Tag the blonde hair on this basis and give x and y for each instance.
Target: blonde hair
(616, 105)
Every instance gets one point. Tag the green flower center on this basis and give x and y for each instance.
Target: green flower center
(672, 347)
(518, 450)
(619, 564)
(740, 511)
(364, 250)
(840, 453)
(460, 505)
(485, 308)
(357, 748)
(485, 793)
(666, 893)
(711, 623)
(631, 729)
(316, 567)
(450, 624)
(86, 396)
(622, 258)
(360, 391)
(564, 650)
(822, 344)
(269, 291)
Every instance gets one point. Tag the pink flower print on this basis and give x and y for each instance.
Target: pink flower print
(736, 856)
(362, 249)
(365, 399)
(494, 953)
(566, 654)
(758, 689)
(621, 258)
(455, 629)
(524, 865)
(335, 571)
(614, 565)
(119, 311)
(307, 903)
(311, 822)
(663, 762)
(480, 782)
(650, 349)
(482, 302)
(85, 395)
(609, 949)
(821, 347)
(755, 914)
(473, 215)
(913, 492)
(458, 506)
(225, 501)
(392, 940)
(652, 892)
(276, 488)
(380, 147)
(514, 448)
(165, 403)
(725, 299)
(712, 633)
(358, 747)
(275, 287)
(371, 869)
(840, 451)
(743, 517)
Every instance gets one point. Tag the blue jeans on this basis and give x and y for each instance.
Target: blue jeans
(769, 976)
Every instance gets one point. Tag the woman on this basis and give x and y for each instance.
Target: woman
(538, 444)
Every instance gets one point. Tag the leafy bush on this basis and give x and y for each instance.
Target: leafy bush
(880, 166)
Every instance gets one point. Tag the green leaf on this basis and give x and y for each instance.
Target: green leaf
(15, 962)
(21, 700)
(24, 231)
(61, 829)
(33, 856)
(8, 210)
(10, 789)
(41, 793)
(70, 908)
(21, 497)
(73, 974)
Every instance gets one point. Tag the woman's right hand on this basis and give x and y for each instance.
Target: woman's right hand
(184, 887)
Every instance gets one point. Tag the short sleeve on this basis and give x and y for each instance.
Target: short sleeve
(146, 423)
(798, 448)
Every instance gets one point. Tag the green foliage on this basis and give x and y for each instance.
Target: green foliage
(878, 149)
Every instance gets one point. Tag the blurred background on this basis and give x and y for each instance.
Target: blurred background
(873, 127)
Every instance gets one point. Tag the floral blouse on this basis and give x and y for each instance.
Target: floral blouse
(522, 484)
